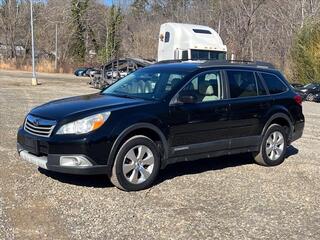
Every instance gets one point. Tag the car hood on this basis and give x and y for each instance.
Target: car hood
(68, 107)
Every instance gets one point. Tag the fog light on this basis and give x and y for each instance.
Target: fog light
(74, 161)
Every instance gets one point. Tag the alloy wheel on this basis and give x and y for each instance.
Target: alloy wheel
(275, 145)
(138, 164)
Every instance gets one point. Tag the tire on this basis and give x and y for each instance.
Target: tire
(136, 165)
(272, 152)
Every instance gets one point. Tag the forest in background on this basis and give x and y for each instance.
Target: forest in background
(91, 32)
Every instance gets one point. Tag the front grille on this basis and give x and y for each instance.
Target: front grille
(38, 126)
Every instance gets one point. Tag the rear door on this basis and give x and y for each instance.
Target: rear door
(249, 103)
(199, 116)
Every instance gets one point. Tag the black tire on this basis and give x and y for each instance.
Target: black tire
(262, 157)
(118, 177)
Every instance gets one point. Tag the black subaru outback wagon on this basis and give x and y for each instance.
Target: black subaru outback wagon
(163, 114)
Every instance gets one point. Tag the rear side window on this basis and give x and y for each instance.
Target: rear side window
(261, 89)
(274, 84)
(242, 84)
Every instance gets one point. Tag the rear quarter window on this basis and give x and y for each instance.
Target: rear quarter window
(274, 83)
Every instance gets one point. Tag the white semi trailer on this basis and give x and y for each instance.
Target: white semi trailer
(190, 42)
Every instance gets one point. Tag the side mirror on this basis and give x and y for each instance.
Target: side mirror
(187, 99)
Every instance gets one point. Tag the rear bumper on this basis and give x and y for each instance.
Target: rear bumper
(298, 131)
(51, 162)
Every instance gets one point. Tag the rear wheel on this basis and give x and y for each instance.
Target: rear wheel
(136, 165)
(273, 147)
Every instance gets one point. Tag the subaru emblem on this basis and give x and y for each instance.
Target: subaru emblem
(36, 122)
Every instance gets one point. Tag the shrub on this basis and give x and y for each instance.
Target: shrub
(305, 54)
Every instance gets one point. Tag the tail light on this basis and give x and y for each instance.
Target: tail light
(298, 99)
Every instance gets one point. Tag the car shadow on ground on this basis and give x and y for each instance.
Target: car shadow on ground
(170, 172)
(96, 181)
(204, 165)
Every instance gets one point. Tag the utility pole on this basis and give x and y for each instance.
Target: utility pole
(34, 78)
(56, 52)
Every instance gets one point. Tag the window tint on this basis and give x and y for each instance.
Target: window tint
(274, 84)
(173, 81)
(261, 89)
(242, 84)
(167, 37)
(207, 55)
(204, 88)
(185, 55)
(202, 31)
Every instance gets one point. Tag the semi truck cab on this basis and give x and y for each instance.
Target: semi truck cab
(190, 42)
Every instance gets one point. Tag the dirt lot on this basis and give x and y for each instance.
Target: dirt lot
(222, 198)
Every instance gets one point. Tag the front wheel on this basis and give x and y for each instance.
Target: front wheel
(273, 147)
(136, 165)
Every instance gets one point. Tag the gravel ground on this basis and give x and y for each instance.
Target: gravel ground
(221, 198)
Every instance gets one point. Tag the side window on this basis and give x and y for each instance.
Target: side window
(185, 55)
(261, 89)
(274, 84)
(173, 80)
(242, 84)
(167, 37)
(206, 87)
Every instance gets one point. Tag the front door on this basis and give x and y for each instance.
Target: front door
(198, 116)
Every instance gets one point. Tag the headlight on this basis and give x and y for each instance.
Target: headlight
(304, 90)
(85, 125)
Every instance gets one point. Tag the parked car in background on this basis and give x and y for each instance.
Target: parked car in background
(91, 72)
(163, 114)
(79, 72)
(297, 86)
(317, 97)
(309, 91)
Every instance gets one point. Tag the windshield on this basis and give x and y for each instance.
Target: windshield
(311, 85)
(207, 55)
(147, 84)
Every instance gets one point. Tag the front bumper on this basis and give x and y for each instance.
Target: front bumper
(51, 162)
(47, 152)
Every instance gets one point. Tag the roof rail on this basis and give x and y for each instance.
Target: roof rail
(258, 64)
(169, 61)
(181, 61)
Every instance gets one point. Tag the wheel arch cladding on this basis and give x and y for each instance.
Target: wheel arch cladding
(283, 120)
(146, 129)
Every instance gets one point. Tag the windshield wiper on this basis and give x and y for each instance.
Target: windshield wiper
(121, 95)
